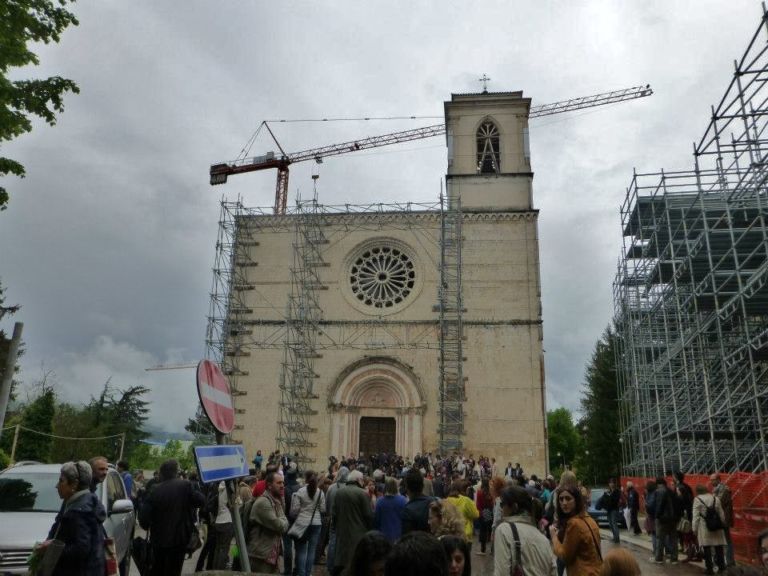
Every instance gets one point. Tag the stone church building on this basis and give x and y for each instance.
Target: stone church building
(404, 329)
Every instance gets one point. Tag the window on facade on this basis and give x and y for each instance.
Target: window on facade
(488, 148)
(382, 276)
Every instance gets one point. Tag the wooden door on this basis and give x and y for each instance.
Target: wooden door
(377, 435)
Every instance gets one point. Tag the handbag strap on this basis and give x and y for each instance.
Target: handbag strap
(597, 544)
(317, 503)
(518, 550)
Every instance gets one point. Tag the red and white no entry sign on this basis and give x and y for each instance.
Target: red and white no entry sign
(213, 388)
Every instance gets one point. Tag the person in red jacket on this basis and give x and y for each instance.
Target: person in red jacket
(484, 502)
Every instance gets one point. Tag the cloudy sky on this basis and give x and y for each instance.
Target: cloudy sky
(108, 243)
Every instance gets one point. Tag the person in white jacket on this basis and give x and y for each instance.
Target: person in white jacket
(710, 540)
(534, 553)
(307, 506)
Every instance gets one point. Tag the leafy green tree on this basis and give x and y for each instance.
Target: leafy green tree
(600, 424)
(38, 417)
(564, 439)
(111, 414)
(149, 457)
(23, 22)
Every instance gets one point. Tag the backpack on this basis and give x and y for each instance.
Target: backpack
(711, 517)
(211, 506)
(245, 516)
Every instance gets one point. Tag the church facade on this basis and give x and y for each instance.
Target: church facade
(373, 379)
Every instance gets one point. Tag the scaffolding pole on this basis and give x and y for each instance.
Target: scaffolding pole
(452, 380)
(303, 314)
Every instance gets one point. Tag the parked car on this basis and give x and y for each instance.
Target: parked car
(29, 503)
(601, 516)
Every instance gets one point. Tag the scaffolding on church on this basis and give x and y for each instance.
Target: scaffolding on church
(452, 381)
(302, 327)
(691, 296)
(239, 321)
(233, 273)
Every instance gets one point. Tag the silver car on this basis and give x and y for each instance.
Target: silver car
(29, 503)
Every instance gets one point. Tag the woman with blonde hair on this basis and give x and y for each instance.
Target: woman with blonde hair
(619, 562)
(445, 519)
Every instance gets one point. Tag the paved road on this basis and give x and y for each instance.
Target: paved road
(483, 565)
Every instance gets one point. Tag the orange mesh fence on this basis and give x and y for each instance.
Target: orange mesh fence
(750, 507)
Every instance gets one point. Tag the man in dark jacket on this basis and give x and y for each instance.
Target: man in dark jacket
(291, 486)
(167, 514)
(353, 517)
(415, 515)
(668, 513)
(611, 502)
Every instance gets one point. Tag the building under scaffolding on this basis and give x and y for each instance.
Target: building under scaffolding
(691, 296)
(359, 328)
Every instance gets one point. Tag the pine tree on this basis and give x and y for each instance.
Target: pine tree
(600, 423)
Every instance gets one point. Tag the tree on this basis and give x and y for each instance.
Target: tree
(600, 424)
(111, 414)
(564, 440)
(35, 439)
(149, 457)
(5, 340)
(21, 23)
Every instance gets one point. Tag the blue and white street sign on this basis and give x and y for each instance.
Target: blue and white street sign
(222, 462)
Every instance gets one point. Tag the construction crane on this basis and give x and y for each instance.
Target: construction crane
(221, 171)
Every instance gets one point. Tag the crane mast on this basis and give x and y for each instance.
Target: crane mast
(221, 171)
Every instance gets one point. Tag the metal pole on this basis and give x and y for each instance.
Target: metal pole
(234, 506)
(15, 441)
(122, 446)
(10, 365)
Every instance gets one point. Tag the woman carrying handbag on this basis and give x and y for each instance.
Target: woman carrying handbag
(307, 505)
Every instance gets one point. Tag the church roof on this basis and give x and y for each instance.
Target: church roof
(518, 93)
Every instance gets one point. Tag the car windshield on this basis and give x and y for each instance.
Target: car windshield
(29, 493)
(595, 495)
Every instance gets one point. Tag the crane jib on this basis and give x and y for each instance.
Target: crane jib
(220, 172)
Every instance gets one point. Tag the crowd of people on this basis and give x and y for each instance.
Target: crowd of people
(387, 515)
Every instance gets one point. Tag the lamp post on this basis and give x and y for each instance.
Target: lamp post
(621, 456)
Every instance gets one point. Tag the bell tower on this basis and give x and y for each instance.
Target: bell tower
(489, 158)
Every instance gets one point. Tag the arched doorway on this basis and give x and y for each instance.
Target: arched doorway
(376, 405)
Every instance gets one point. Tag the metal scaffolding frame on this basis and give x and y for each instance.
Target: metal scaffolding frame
(302, 326)
(691, 295)
(451, 304)
(233, 273)
(301, 331)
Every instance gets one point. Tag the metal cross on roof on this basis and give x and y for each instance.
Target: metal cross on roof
(485, 81)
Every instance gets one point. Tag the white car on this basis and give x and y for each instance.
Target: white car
(29, 503)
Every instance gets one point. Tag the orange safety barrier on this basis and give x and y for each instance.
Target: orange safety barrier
(750, 507)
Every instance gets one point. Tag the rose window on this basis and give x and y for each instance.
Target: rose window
(382, 277)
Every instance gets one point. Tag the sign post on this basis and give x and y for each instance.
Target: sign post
(224, 461)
